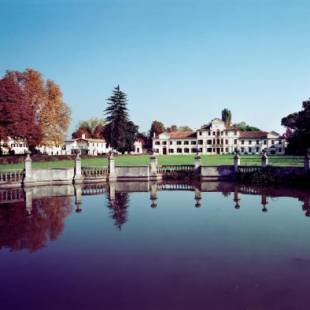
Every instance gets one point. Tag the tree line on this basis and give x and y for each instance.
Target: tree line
(32, 109)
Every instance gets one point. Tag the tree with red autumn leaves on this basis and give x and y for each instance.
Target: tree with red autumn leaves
(32, 109)
(17, 116)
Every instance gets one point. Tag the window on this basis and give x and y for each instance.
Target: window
(179, 142)
(186, 142)
(250, 150)
(156, 150)
(164, 142)
(257, 150)
(200, 133)
(209, 150)
(235, 141)
(257, 141)
(227, 150)
(171, 150)
(213, 133)
(209, 142)
(226, 141)
(209, 133)
(242, 149)
(200, 150)
(272, 142)
(200, 141)
(193, 142)
(265, 142)
(280, 142)
(170, 142)
(250, 141)
(194, 150)
(157, 142)
(186, 150)
(242, 141)
(179, 150)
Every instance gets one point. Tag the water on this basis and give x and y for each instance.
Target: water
(155, 246)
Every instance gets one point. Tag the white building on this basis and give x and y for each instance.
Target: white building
(11, 146)
(138, 147)
(86, 146)
(218, 138)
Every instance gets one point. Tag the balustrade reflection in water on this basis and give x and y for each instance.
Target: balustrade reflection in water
(31, 217)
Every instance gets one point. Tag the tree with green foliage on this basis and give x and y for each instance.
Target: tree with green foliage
(120, 133)
(91, 128)
(157, 128)
(226, 116)
(299, 125)
(243, 126)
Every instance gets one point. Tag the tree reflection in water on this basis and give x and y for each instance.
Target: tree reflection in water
(19, 230)
(118, 206)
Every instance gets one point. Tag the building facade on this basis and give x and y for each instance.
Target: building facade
(218, 138)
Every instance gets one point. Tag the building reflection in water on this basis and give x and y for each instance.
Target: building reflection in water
(31, 218)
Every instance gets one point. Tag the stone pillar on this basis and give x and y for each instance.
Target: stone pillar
(153, 195)
(112, 172)
(78, 178)
(153, 166)
(264, 202)
(236, 198)
(307, 161)
(78, 197)
(236, 162)
(197, 162)
(112, 190)
(28, 170)
(28, 200)
(264, 159)
(197, 198)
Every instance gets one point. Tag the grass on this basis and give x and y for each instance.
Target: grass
(137, 160)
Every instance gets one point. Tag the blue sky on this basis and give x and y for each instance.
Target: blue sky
(180, 62)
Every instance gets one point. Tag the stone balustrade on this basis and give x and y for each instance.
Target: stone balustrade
(11, 176)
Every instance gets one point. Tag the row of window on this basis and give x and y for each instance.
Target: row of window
(215, 141)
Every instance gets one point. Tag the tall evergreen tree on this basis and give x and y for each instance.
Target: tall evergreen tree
(226, 116)
(120, 132)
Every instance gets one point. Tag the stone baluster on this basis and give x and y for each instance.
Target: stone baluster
(236, 162)
(264, 159)
(112, 172)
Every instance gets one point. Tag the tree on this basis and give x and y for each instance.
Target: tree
(172, 128)
(184, 128)
(55, 116)
(17, 116)
(92, 128)
(226, 116)
(156, 128)
(120, 133)
(299, 125)
(51, 114)
(243, 126)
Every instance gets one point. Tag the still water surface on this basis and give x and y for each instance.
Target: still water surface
(155, 246)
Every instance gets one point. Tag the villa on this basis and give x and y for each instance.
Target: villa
(218, 138)
(86, 146)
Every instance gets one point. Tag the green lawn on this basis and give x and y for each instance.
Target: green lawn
(136, 160)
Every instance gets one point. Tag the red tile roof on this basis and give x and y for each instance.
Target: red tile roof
(182, 134)
(253, 134)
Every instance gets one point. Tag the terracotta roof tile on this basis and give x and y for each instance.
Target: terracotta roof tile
(253, 134)
(182, 134)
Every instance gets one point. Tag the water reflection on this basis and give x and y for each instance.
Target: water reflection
(30, 218)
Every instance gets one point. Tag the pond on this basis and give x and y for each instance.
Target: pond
(154, 246)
